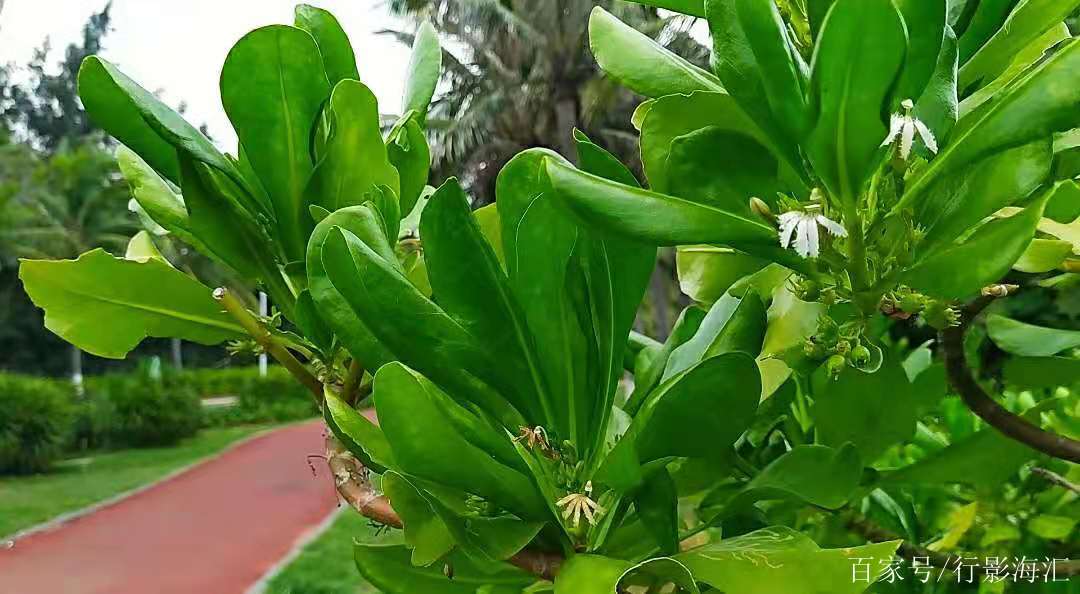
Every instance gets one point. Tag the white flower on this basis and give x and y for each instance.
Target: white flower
(579, 503)
(800, 228)
(904, 126)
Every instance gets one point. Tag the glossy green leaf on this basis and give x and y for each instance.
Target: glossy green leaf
(925, 23)
(1041, 372)
(106, 306)
(407, 148)
(273, 87)
(424, 445)
(365, 222)
(720, 167)
(985, 19)
(470, 286)
(358, 434)
(141, 248)
(959, 270)
(791, 321)
(731, 325)
(640, 63)
(156, 197)
(1043, 255)
(425, 66)
(1033, 106)
(937, 104)
(871, 410)
(856, 64)
(137, 118)
(648, 377)
(488, 539)
(1028, 21)
(425, 533)
(593, 574)
(1051, 527)
(780, 559)
(985, 459)
(759, 66)
(487, 217)
(220, 225)
(412, 327)
(309, 321)
(389, 568)
(657, 504)
(339, 60)
(689, 7)
(707, 272)
(1029, 340)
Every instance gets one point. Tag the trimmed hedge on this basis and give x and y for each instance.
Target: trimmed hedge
(35, 422)
(140, 409)
(277, 397)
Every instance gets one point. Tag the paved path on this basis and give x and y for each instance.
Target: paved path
(212, 530)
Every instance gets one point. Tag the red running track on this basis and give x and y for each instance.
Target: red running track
(215, 529)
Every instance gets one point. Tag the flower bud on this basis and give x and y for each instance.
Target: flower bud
(835, 365)
(761, 209)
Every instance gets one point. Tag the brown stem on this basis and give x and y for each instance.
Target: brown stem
(912, 552)
(1057, 479)
(262, 336)
(985, 407)
(351, 479)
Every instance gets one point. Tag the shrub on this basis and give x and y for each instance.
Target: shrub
(140, 409)
(275, 397)
(35, 421)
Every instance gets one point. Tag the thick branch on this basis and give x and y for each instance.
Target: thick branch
(351, 479)
(986, 408)
(266, 340)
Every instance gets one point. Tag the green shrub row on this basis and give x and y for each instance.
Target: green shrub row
(40, 419)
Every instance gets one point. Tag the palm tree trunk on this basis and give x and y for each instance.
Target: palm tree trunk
(76, 363)
(177, 354)
(566, 120)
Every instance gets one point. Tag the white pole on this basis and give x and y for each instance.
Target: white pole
(263, 311)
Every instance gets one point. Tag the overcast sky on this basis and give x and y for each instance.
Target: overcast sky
(178, 46)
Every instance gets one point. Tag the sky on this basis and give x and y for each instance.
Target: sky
(178, 46)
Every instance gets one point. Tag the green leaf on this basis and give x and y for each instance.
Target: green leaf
(338, 58)
(808, 474)
(1032, 373)
(938, 104)
(650, 376)
(488, 539)
(425, 66)
(780, 559)
(640, 63)
(137, 118)
(732, 325)
(273, 87)
(657, 503)
(425, 532)
(759, 66)
(424, 445)
(309, 321)
(363, 221)
(986, 18)
(389, 568)
(925, 20)
(690, 7)
(1043, 255)
(791, 321)
(417, 331)
(156, 197)
(1050, 527)
(1028, 340)
(106, 306)
(358, 434)
(856, 64)
(717, 166)
(1036, 104)
(706, 272)
(408, 150)
(1031, 19)
(871, 410)
(470, 286)
(593, 574)
(356, 160)
(491, 227)
(956, 271)
(141, 248)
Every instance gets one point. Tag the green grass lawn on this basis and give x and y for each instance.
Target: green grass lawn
(79, 482)
(326, 566)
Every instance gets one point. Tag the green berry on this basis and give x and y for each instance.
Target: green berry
(860, 356)
(835, 365)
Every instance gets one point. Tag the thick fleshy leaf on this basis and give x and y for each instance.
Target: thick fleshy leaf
(732, 325)
(809, 474)
(759, 66)
(141, 248)
(489, 539)
(720, 167)
(309, 321)
(706, 272)
(1030, 20)
(425, 65)
(412, 327)
(491, 227)
(407, 148)
(986, 459)
(640, 63)
(359, 435)
(425, 533)
(155, 196)
(338, 57)
(1032, 373)
(856, 63)
(469, 284)
(871, 410)
(424, 445)
(1043, 255)
(780, 559)
(938, 104)
(791, 321)
(593, 574)
(273, 87)
(649, 376)
(959, 270)
(1036, 104)
(137, 118)
(106, 306)
(925, 20)
(985, 19)
(657, 504)
(356, 161)
(1029, 340)
(364, 222)
(389, 568)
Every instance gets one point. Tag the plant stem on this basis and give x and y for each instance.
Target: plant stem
(352, 381)
(859, 272)
(266, 340)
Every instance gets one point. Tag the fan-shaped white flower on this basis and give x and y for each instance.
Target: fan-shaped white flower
(904, 126)
(576, 504)
(799, 230)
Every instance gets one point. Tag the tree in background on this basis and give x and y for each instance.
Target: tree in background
(519, 73)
